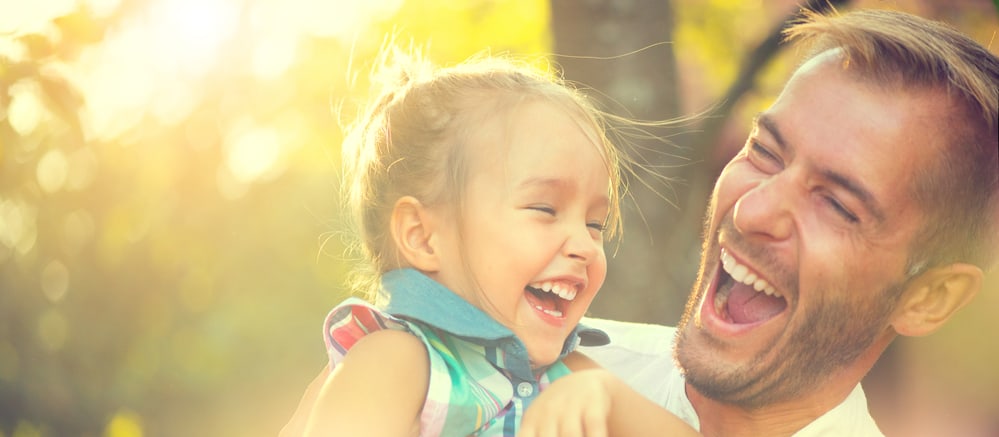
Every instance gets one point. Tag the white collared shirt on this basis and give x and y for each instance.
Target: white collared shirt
(642, 355)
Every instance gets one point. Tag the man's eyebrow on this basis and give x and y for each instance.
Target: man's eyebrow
(767, 122)
(857, 190)
(849, 184)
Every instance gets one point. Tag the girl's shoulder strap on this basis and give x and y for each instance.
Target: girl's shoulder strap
(352, 320)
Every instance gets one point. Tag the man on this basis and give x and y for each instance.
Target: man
(862, 207)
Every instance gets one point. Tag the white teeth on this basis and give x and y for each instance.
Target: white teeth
(727, 261)
(759, 285)
(741, 273)
(562, 290)
(557, 290)
(554, 313)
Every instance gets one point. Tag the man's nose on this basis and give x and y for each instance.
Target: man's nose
(767, 210)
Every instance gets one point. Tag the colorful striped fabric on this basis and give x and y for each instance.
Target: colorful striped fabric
(480, 377)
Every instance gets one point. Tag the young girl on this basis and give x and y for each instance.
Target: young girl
(482, 194)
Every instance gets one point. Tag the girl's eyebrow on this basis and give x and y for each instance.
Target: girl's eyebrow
(542, 182)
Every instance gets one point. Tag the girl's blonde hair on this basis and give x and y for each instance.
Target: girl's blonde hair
(413, 138)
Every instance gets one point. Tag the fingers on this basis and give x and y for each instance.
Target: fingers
(578, 419)
(585, 428)
(594, 425)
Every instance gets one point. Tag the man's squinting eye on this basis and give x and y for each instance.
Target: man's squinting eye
(762, 157)
(758, 151)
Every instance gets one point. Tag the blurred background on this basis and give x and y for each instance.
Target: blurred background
(169, 241)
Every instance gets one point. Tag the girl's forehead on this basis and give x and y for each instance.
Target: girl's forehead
(492, 135)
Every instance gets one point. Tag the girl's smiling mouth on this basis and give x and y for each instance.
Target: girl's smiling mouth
(551, 297)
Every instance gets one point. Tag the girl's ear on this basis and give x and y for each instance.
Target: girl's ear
(412, 226)
(934, 296)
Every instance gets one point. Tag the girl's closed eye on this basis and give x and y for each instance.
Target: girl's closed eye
(543, 208)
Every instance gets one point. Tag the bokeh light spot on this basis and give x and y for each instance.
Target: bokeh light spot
(19, 228)
(52, 171)
(20, 16)
(101, 8)
(26, 111)
(191, 32)
(252, 153)
(174, 102)
(272, 57)
(124, 423)
(55, 281)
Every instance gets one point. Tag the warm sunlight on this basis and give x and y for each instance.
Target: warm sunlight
(20, 17)
(188, 35)
(173, 228)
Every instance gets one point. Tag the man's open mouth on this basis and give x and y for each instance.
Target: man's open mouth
(551, 298)
(742, 297)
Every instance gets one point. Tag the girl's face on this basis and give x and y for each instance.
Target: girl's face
(530, 253)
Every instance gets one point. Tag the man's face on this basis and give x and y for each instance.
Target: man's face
(807, 239)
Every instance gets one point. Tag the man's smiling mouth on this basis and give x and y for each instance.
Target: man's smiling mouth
(742, 297)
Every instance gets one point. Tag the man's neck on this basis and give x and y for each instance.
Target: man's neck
(721, 419)
(782, 419)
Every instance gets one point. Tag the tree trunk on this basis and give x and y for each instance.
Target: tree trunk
(621, 50)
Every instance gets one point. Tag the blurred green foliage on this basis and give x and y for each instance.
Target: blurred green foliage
(169, 241)
(168, 235)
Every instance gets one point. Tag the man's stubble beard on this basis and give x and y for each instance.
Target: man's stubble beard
(835, 334)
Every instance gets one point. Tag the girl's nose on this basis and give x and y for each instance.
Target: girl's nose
(581, 245)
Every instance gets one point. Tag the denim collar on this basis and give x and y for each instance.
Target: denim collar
(415, 296)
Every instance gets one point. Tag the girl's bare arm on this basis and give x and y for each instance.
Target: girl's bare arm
(378, 390)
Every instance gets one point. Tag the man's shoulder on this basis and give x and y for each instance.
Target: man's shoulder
(641, 354)
(851, 417)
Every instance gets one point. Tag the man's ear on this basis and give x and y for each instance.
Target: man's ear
(932, 297)
(412, 227)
